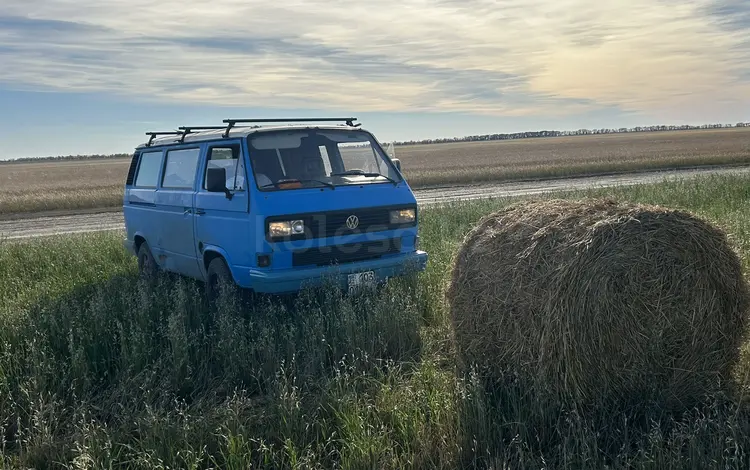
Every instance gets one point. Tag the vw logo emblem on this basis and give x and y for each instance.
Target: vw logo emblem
(352, 222)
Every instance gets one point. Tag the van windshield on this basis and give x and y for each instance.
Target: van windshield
(305, 158)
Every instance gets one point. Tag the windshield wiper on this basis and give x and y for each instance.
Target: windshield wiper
(364, 173)
(297, 180)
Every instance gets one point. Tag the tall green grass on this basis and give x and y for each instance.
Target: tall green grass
(99, 369)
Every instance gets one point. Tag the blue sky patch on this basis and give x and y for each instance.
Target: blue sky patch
(732, 14)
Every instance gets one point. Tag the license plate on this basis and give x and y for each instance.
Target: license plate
(358, 281)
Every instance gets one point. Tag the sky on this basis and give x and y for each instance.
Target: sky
(92, 76)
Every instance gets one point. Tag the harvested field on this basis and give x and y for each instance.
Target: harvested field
(32, 187)
(83, 184)
(474, 162)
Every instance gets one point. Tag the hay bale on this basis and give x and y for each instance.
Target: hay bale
(597, 300)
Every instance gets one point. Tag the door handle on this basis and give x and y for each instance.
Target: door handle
(188, 210)
(199, 212)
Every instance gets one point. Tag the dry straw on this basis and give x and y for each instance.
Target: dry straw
(598, 300)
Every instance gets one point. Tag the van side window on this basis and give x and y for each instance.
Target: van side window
(148, 170)
(179, 171)
(228, 157)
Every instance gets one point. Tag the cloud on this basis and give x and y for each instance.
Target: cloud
(27, 26)
(731, 14)
(515, 57)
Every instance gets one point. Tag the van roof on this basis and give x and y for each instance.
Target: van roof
(188, 134)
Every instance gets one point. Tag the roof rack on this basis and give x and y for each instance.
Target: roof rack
(154, 134)
(188, 129)
(232, 122)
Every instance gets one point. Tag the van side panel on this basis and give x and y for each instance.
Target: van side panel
(175, 247)
(223, 225)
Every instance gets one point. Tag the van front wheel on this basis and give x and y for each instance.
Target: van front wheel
(218, 278)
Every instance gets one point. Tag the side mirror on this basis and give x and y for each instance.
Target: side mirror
(397, 162)
(216, 181)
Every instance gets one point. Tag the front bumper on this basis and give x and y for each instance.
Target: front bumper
(294, 280)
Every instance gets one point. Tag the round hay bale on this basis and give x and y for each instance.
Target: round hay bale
(598, 300)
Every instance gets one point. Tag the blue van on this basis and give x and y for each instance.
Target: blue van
(271, 208)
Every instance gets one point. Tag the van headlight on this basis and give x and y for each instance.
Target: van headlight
(286, 228)
(403, 216)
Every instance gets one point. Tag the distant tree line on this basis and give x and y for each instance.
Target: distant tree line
(66, 157)
(545, 133)
(471, 138)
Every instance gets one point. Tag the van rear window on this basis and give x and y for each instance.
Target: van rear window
(148, 170)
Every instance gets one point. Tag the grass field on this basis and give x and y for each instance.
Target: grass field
(98, 370)
(31, 187)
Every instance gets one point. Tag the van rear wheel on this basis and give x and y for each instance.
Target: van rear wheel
(147, 266)
(218, 278)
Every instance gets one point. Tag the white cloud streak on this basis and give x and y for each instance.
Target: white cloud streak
(509, 57)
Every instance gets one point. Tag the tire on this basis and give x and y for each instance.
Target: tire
(218, 276)
(147, 266)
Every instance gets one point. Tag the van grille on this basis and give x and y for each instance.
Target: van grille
(348, 253)
(331, 224)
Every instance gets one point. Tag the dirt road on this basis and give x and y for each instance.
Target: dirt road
(93, 222)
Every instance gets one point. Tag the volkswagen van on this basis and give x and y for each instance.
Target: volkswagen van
(272, 208)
